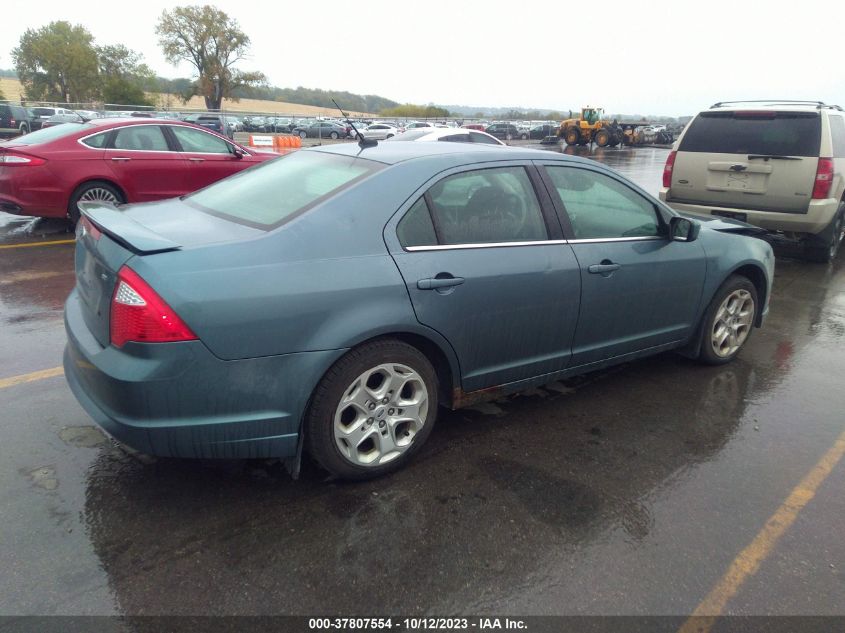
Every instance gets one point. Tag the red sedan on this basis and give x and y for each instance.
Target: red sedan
(46, 173)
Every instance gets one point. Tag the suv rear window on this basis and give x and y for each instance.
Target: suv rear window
(757, 132)
(275, 192)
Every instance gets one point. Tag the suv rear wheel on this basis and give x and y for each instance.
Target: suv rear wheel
(823, 247)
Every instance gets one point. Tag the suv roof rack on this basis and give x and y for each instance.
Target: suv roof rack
(818, 104)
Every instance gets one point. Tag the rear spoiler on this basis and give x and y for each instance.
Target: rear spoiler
(124, 230)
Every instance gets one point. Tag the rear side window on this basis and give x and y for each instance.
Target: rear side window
(837, 130)
(416, 228)
(276, 191)
(754, 132)
(98, 140)
(486, 206)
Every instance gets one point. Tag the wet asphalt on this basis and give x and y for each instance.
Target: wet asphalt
(628, 491)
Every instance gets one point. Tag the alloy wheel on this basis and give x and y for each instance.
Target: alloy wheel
(733, 323)
(380, 414)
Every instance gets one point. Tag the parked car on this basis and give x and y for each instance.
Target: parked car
(539, 132)
(255, 124)
(418, 124)
(506, 131)
(66, 117)
(474, 126)
(323, 129)
(454, 135)
(14, 120)
(379, 131)
(235, 124)
(216, 122)
(779, 165)
(281, 125)
(333, 299)
(41, 114)
(48, 172)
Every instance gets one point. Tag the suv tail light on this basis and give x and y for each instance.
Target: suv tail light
(12, 158)
(138, 314)
(667, 169)
(824, 179)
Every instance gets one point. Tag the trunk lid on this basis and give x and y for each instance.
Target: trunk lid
(756, 160)
(108, 237)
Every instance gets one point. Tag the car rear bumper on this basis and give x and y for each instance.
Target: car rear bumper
(179, 400)
(818, 217)
(32, 191)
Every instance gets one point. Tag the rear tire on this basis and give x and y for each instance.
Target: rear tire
(334, 136)
(728, 321)
(303, 134)
(356, 427)
(93, 190)
(824, 247)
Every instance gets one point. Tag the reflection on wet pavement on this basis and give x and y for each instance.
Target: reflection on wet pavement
(624, 491)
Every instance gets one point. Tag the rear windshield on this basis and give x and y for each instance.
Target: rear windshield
(277, 191)
(765, 132)
(46, 135)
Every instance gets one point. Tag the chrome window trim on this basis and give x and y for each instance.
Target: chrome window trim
(447, 247)
(598, 240)
(156, 151)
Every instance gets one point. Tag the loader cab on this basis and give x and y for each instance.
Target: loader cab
(591, 115)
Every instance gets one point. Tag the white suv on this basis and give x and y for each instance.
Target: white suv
(779, 165)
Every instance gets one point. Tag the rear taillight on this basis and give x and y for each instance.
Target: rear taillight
(824, 179)
(11, 158)
(138, 314)
(667, 169)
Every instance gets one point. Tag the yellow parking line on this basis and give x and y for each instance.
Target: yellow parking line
(748, 561)
(31, 244)
(36, 375)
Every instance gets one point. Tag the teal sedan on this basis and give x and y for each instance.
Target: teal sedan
(334, 299)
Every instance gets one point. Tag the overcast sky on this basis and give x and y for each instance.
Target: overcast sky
(661, 58)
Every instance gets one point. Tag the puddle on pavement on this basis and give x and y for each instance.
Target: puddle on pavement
(43, 477)
(83, 436)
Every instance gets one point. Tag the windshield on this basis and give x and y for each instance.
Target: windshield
(51, 133)
(277, 191)
(754, 132)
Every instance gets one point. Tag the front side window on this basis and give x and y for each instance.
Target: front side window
(486, 206)
(599, 206)
(200, 142)
(276, 191)
(148, 138)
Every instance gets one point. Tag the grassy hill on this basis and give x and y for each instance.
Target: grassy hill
(12, 90)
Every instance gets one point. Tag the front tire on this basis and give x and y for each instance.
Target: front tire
(729, 320)
(334, 136)
(572, 136)
(372, 411)
(303, 134)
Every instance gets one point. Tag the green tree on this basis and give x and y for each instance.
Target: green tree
(57, 62)
(124, 76)
(213, 43)
(410, 110)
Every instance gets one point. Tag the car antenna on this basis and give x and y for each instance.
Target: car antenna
(362, 142)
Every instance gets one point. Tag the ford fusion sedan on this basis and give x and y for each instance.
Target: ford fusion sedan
(48, 172)
(333, 299)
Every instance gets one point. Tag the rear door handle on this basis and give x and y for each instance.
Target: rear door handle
(121, 158)
(439, 282)
(603, 268)
(197, 160)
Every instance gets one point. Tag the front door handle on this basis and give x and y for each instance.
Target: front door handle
(197, 160)
(121, 158)
(604, 268)
(439, 282)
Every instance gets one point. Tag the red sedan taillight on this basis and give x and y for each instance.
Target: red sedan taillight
(12, 158)
(667, 169)
(138, 314)
(824, 179)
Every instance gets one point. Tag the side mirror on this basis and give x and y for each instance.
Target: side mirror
(238, 153)
(683, 229)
